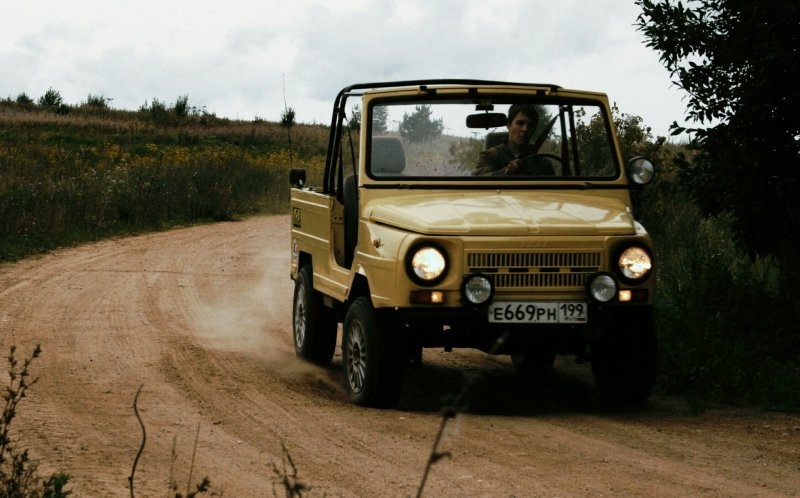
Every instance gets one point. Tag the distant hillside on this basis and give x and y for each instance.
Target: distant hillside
(86, 124)
(71, 174)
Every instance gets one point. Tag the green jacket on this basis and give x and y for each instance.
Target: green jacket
(493, 161)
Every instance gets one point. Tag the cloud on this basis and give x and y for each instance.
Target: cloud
(234, 57)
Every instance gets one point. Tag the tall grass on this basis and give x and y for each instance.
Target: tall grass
(70, 178)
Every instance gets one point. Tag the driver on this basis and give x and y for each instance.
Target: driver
(517, 156)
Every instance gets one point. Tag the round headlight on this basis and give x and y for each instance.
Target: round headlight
(635, 263)
(603, 288)
(641, 170)
(428, 263)
(477, 289)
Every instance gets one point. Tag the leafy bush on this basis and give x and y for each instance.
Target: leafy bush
(23, 100)
(53, 101)
(181, 108)
(158, 110)
(725, 334)
(97, 101)
(51, 98)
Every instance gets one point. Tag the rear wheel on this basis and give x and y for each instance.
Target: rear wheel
(314, 325)
(624, 360)
(373, 358)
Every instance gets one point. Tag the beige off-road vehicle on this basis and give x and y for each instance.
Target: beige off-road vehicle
(445, 219)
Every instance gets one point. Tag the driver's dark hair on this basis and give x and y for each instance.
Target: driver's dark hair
(526, 109)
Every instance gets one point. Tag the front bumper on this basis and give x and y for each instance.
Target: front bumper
(469, 327)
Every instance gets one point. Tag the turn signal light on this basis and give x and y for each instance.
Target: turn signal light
(427, 297)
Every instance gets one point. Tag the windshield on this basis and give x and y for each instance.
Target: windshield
(505, 139)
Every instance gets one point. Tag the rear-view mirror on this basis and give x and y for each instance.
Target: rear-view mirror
(297, 177)
(486, 120)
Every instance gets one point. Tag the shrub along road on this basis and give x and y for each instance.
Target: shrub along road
(200, 317)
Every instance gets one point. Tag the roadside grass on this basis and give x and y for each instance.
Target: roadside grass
(66, 179)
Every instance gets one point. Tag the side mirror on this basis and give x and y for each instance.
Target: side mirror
(486, 120)
(297, 177)
(641, 171)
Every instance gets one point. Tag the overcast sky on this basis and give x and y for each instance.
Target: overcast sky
(233, 57)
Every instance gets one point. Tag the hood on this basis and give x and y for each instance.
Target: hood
(507, 213)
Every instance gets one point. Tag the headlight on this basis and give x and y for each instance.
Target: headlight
(477, 289)
(602, 288)
(428, 264)
(635, 263)
(641, 170)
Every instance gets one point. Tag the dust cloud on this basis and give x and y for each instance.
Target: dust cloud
(254, 318)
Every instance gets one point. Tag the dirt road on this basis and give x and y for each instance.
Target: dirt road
(200, 317)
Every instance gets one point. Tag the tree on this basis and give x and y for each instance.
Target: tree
(52, 100)
(97, 101)
(635, 139)
(737, 61)
(181, 107)
(288, 118)
(380, 117)
(24, 100)
(418, 126)
(288, 121)
(354, 122)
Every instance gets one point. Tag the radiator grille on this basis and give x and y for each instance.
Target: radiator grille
(540, 270)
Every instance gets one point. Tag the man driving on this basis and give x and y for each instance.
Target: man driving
(516, 156)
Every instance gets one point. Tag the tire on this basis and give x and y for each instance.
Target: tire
(372, 357)
(313, 324)
(624, 360)
(413, 354)
(534, 365)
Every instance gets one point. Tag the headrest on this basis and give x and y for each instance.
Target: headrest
(388, 156)
(495, 138)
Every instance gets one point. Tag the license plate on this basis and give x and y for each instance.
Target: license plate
(538, 312)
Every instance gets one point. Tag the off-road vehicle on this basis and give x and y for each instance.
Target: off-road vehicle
(410, 244)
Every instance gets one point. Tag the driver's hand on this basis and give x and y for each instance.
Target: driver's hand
(512, 167)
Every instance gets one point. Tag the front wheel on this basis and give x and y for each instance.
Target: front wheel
(624, 359)
(372, 357)
(314, 325)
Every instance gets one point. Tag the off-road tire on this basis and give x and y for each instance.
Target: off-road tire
(624, 359)
(313, 324)
(372, 356)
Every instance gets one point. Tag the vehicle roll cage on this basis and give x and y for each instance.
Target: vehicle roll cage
(329, 178)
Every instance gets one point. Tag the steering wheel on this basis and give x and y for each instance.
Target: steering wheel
(528, 163)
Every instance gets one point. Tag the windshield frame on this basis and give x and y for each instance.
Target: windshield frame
(499, 98)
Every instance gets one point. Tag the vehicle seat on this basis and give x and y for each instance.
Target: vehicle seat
(495, 138)
(388, 156)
